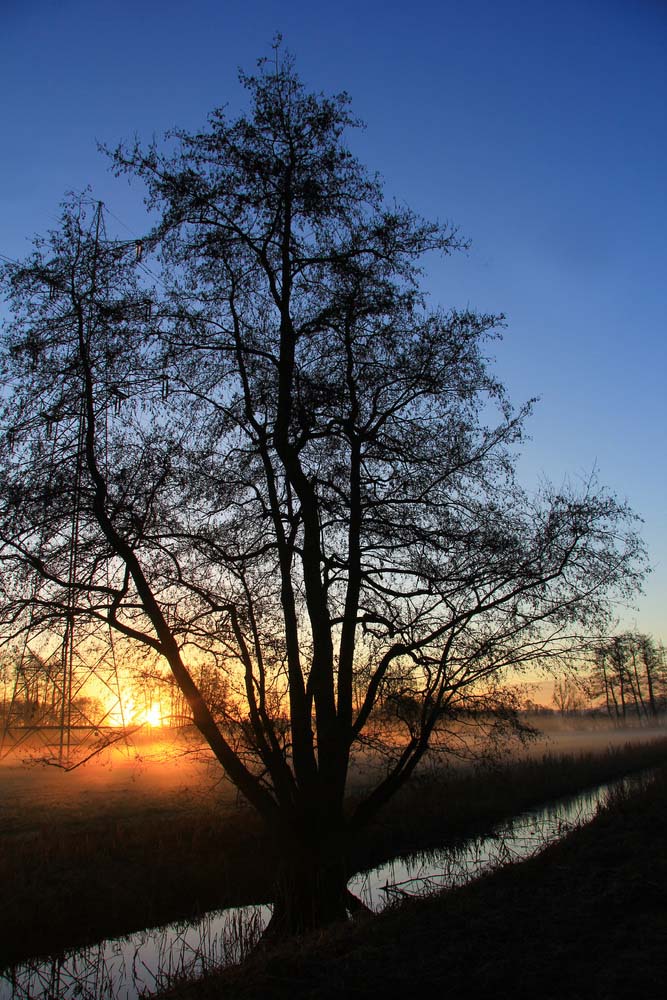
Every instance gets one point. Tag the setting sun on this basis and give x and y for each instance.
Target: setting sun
(152, 716)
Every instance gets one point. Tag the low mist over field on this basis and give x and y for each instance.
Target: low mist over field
(170, 768)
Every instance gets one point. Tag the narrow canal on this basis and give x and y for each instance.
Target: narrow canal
(146, 962)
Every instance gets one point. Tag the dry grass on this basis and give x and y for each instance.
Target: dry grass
(88, 871)
(585, 920)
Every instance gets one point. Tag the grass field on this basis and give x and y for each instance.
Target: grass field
(101, 852)
(583, 920)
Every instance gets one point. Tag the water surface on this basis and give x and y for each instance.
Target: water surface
(146, 962)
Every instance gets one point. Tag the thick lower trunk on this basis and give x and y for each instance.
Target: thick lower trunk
(310, 890)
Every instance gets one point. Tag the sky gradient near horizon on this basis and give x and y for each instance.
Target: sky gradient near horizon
(538, 128)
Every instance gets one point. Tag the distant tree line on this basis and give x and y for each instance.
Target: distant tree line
(629, 676)
(154, 686)
(32, 695)
(627, 679)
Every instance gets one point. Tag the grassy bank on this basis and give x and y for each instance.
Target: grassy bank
(436, 810)
(67, 884)
(584, 919)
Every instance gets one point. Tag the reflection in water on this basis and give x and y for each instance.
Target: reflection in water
(430, 871)
(141, 964)
(149, 961)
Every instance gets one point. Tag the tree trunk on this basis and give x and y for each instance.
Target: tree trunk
(639, 698)
(311, 886)
(649, 664)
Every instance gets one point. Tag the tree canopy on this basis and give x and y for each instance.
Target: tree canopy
(272, 453)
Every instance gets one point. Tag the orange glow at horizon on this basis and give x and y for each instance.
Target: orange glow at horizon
(152, 716)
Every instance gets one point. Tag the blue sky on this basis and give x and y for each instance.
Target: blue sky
(539, 128)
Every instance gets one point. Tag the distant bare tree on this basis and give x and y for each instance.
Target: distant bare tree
(568, 695)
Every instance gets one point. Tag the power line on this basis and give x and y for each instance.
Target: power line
(134, 242)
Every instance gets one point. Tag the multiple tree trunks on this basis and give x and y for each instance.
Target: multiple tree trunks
(630, 672)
